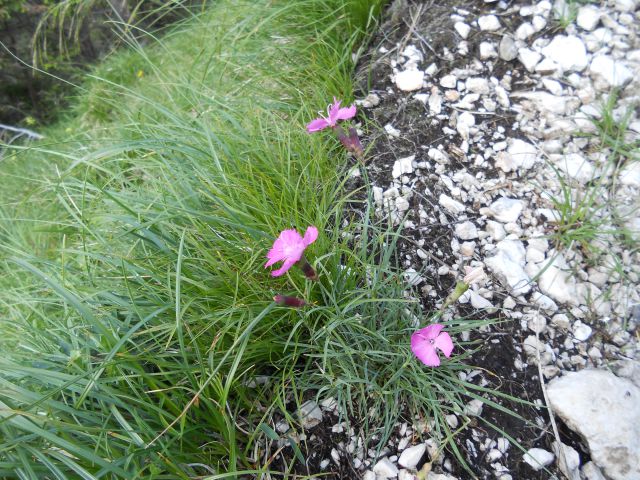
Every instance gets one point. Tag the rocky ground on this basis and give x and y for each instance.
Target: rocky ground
(510, 141)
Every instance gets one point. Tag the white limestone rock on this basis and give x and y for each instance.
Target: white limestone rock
(538, 458)
(613, 72)
(630, 174)
(412, 456)
(478, 85)
(410, 80)
(507, 49)
(508, 265)
(392, 131)
(488, 23)
(385, 469)
(590, 471)
(440, 476)
(576, 167)
(529, 58)
(495, 230)
(466, 231)
(465, 121)
(403, 166)
(448, 81)
(370, 101)
(369, 475)
(462, 28)
(544, 302)
(523, 154)
(451, 205)
(571, 462)
(588, 17)
(524, 31)
(487, 50)
(557, 281)
(605, 411)
(581, 331)
(310, 414)
(506, 210)
(567, 51)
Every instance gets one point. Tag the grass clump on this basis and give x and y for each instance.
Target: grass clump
(133, 288)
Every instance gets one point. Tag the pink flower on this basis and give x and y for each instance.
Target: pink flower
(334, 114)
(289, 247)
(426, 342)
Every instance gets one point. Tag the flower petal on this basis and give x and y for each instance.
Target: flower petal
(317, 125)
(334, 108)
(346, 113)
(272, 260)
(444, 343)
(288, 263)
(310, 236)
(430, 332)
(424, 350)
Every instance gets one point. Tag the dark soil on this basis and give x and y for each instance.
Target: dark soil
(32, 97)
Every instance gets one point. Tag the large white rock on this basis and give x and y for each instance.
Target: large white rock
(529, 58)
(523, 154)
(544, 102)
(557, 282)
(568, 460)
(630, 174)
(451, 205)
(626, 5)
(465, 121)
(409, 80)
(412, 456)
(478, 85)
(588, 17)
(506, 210)
(538, 458)
(385, 469)
(466, 231)
(577, 167)
(590, 471)
(489, 23)
(567, 51)
(403, 166)
(613, 72)
(462, 28)
(605, 411)
(508, 265)
(507, 49)
(310, 414)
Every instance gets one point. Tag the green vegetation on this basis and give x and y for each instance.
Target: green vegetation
(587, 213)
(136, 313)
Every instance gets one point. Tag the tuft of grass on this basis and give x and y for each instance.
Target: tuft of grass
(132, 286)
(613, 132)
(588, 215)
(566, 11)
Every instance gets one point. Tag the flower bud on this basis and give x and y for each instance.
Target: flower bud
(286, 301)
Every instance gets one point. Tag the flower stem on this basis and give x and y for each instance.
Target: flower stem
(453, 297)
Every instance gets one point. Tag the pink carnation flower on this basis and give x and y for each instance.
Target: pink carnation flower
(426, 342)
(334, 114)
(289, 247)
